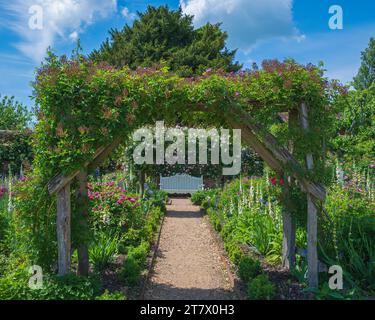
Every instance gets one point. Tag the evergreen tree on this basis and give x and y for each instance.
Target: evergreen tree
(164, 36)
(366, 73)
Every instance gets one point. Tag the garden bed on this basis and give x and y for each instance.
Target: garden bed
(247, 215)
(287, 286)
(120, 236)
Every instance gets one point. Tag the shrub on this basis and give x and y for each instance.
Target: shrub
(197, 197)
(14, 286)
(151, 224)
(140, 253)
(214, 219)
(136, 259)
(131, 271)
(117, 295)
(34, 222)
(234, 252)
(133, 265)
(261, 288)
(205, 198)
(69, 287)
(248, 268)
(159, 198)
(130, 238)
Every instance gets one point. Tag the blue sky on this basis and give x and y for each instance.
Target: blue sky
(259, 29)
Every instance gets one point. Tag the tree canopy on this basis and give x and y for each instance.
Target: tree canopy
(356, 126)
(366, 74)
(168, 37)
(13, 115)
(355, 137)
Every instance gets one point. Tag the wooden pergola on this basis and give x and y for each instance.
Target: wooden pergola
(265, 144)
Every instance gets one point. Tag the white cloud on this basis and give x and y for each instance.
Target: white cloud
(73, 36)
(127, 14)
(246, 21)
(62, 19)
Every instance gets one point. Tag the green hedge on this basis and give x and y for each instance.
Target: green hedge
(137, 255)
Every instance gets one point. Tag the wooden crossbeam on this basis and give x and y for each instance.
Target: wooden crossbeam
(60, 181)
(280, 153)
(252, 140)
(97, 161)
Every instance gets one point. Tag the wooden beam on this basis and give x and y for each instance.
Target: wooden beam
(59, 181)
(248, 136)
(63, 230)
(280, 153)
(252, 140)
(312, 216)
(104, 154)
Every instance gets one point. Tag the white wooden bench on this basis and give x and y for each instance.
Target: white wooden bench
(181, 184)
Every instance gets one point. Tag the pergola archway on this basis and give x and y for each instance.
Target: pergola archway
(144, 96)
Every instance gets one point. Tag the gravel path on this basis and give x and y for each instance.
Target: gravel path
(189, 263)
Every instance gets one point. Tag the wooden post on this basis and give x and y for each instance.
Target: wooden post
(63, 230)
(142, 179)
(289, 227)
(82, 205)
(289, 231)
(312, 216)
(312, 252)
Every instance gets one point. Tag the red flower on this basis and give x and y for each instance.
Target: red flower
(273, 180)
(282, 182)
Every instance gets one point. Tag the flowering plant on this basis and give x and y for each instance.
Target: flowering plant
(3, 191)
(111, 206)
(274, 181)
